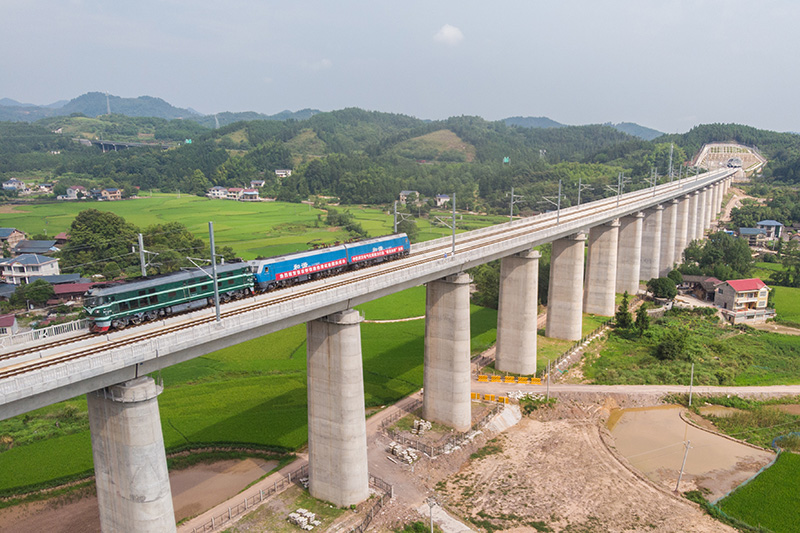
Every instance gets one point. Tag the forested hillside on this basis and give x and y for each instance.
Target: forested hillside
(367, 157)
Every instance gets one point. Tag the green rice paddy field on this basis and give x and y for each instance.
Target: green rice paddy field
(252, 229)
(769, 500)
(787, 303)
(253, 393)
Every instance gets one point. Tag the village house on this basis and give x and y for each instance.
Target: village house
(772, 228)
(10, 237)
(405, 195)
(74, 192)
(69, 292)
(27, 267)
(441, 199)
(249, 195)
(8, 325)
(7, 290)
(257, 183)
(13, 185)
(743, 300)
(35, 247)
(111, 194)
(755, 236)
(234, 193)
(701, 287)
(61, 238)
(217, 192)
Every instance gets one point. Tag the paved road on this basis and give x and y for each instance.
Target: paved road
(773, 390)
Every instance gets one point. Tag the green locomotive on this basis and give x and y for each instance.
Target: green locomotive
(118, 305)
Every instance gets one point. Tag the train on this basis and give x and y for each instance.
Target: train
(118, 305)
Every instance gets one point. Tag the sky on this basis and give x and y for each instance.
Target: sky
(664, 64)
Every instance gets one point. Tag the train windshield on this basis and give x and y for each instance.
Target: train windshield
(94, 301)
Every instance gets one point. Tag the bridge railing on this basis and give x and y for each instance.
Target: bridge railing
(43, 333)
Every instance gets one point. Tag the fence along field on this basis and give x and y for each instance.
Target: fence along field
(250, 394)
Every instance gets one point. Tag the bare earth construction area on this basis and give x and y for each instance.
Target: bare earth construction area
(565, 474)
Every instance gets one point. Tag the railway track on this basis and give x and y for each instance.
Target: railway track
(465, 243)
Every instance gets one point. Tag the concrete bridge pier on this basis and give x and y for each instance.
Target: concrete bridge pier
(708, 210)
(130, 464)
(565, 294)
(702, 200)
(691, 219)
(629, 253)
(446, 375)
(714, 202)
(669, 223)
(337, 429)
(651, 243)
(681, 229)
(517, 313)
(601, 269)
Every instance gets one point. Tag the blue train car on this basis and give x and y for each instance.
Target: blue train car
(377, 250)
(284, 270)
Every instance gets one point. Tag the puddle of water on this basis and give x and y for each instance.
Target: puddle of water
(616, 414)
(652, 439)
(718, 410)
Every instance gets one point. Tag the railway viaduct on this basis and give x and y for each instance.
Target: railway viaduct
(634, 236)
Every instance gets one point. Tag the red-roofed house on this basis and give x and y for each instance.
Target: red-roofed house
(234, 193)
(71, 291)
(8, 325)
(743, 300)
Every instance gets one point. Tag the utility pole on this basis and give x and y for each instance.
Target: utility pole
(514, 199)
(394, 227)
(685, 454)
(431, 503)
(691, 383)
(141, 256)
(214, 267)
(556, 203)
(143, 263)
(671, 147)
(582, 187)
(454, 223)
(653, 179)
(548, 380)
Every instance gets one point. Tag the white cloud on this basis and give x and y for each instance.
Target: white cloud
(449, 35)
(322, 64)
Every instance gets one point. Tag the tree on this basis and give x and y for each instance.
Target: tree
(673, 345)
(487, 282)
(37, 292)
(174, 243)
(623, 317)
(409, 227)
(97, 237)
(111, 270)
(662, 288)
(676, 277)
(642, 320)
